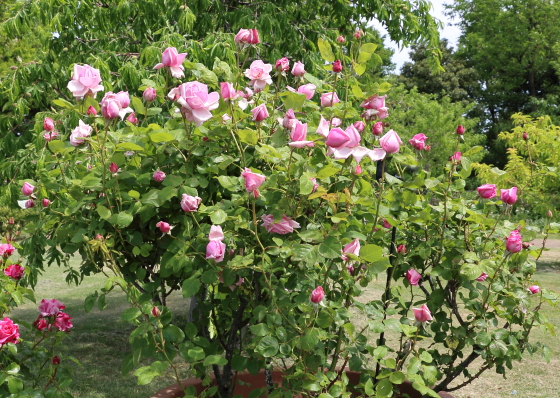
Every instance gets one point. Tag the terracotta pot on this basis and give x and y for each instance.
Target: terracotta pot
(258, 381)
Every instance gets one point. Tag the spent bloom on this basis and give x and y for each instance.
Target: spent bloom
(216, 249)
(487, 191)
(173, 60)
(85, 80)
(49, 136)
(282, 227)
(413, 277)
(190, 203)
(509, 196)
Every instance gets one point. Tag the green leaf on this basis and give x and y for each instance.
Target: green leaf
(359, 68)
(154, 111)
(384, 388)
(124, 219)
(218, 217)
(267, 347)
(90, 301)
(327, 171)
(305, 185)
(103, 212)
(311, 385)
(310, 339)
(215, 360)
(498, 348)
(330, 247)
(190, 287)
(313, 80)
(15, 385)
(229, 183)
(293, 101)
(483, 338)
(173, 334)
(56, 146)
(326, 50)
(248, 136)
(357, 91)
(371, 253)
(260, 329)
(397, 378)
(238, 363)
(130, 314)
(90, 181)
(161, 137)
(129, 146)
(63, 103)
(196, 354)
(431, 182)
(138, 106)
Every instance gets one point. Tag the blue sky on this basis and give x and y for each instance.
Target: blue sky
(449, 32)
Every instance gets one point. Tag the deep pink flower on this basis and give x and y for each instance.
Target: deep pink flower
(509, 196)
(91, 111)
(48, 124)
(190, 203)
(413, 277)
(14, 271)
(216, 249)
(62, 322)
(534, 289)
(56, 360)
(422, 314)
(156, 312)
(337, 66)
(9, 332)
(50, 307)
(113, 168)
(525, 136)
(359, 125)
(514, 242)
(482, 277)
(259, 73)
(377, 128)
(174, 61)
(317, 295)
(358, 170)
(401, 249)
(252, 181)
(460, 130)
(456, 157)
(340, 39)
(29, 204)
(351, 248)
(46, 202)
(85, 80)
(298, 136)
(390, 142)
(163, 227)
(418, 141)
(260, 113)
(487, 191)
(159, 176)
(41, 323)
(132, 118)
(282, 227)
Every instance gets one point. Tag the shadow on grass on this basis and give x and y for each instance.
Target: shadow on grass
(548, 266)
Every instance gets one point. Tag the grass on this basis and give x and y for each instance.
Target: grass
(99, 341)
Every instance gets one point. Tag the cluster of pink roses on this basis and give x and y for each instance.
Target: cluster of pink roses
(488, 191)
(50, 314)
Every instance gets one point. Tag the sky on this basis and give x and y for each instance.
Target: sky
(449, 32)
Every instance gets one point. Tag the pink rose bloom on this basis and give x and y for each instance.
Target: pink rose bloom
(509, 196)
(374, 102)
(115, 105)
(216, 249)
(336, 122)
(132, 118)
(149, 94)
(317, 295)
(174, 61)
(390, 142)
(422, 314)
(298, 70)
(377, 128)
(85, 80)
(315, 185)
(328, 99)
(48, 124)
(190, 203)
(482, 277)
(308, 90)
(6, 250)
(289, 120)
(62, 322)
(159, 176)
(50, 307)
(14, 271)
(260, 113)
(323, 128)
(195, 101)
(418, 141)
(91, 111)
(282, 65)
(50, 136)
(487, 191)
(243, 36)
(413, 277)
(514, 243)
(456, 157)
(252, 181)
(298, 136)
(79, 133)
(359, 125)
(285, 226)
(27, 189)
(259, 73)
(351, 248)
(337, 138)
(227, 91)
(46, 202)
(387, 225)
(163, 227)
(9, 332)
(534, 289)
(41, 323)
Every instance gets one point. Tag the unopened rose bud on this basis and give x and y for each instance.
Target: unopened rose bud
(360, 126)
(113, 168)
(159, 176)
(46, 202)
(205, 139)
(340, 39)
(427, 148)
(549, 214)
(525, 136)
(358, 170)
(91, 111)
(56, 360)
(156, 312)
(460, 130)
(29, 204)
(132, 118)
(282, 65)
(377, 128)
(149, 94)
(99, 237)
(534, 289)
(401, 249)
(11, 220)
(359, 34)
(48, 124)
(337, 66)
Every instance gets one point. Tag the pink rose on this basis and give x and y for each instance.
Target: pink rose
(79, 133)
(115, 105)
(14, 271)
(50, 307)
(390, 142)
(401, 249)
(9, 332)
(132, 118)
(46, 202)
(482, 277)
(113, 168)
(29, 204)
(62, 322)
(243, 36)
(387, 225)
(456, 157)
(149, 94)
(487, 191)
(195, 101)
(50, 136)
(298, 136)
(298, 69)
(359, 125)
(525, 136)
(282, 65)
(315, 185)
(377, 128)
(317, 295)
(337, 66)
(27, 189)
(422, 314)
(336, 122)
(285, 226)
(216, 249)
(351, 248)
(460, 130)
(156, 312)
(374, 102)
(259, 73)
(85, 80)
(329, 99)
(6, 250)
(418, 141)
(48, 124)
(252, 181)
(340, 39)
(308, 90)
(41, 323)
(91, 111)
(228, 91)
(337, 138)
(174, 61)
(163, 227)
(289, 120)
(514, 243)
(413, 277)
(358, 170)
(260, 113)
(323, 128)
(190, 203)
(159, 176)
(534, 289)
(359, 34)
(509, 196)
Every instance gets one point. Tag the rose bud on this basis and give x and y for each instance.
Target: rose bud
(377, 128)
(317, 295)
(360, 126)
(340, 39)
(534, 289)
(390, 142)
(358, 35)
(91, 111)
(283, 65)
(149, 94)
(113, 168)
(482, 277)
(159, 176)
(27, 189)
(358, 170)
(422, 314)
(56, 360)
(401, 249)
(11, 220)
(190, 203)
(163, 227)
(514, 242)
(156, 312)
(549, 214)
(29, 204)
(298, 69)
(48, 124)
(260, 113)
(487, 191)
(413, 277)
(337, 66)
(132, 118)
(46, 202)
(509, 196)
(456, 157)
(525, 136)
(460, 130)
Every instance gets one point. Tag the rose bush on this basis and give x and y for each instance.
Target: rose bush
(278, 207)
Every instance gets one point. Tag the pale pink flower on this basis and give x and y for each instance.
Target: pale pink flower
(190, 203)
(216, 249)
(85, 80)
(285, 226)
(259, 73)
(174, 61)
(195, 101)
(413, 277)
(252, 181)
(78, 135)
(422, 314)
(329, 99)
